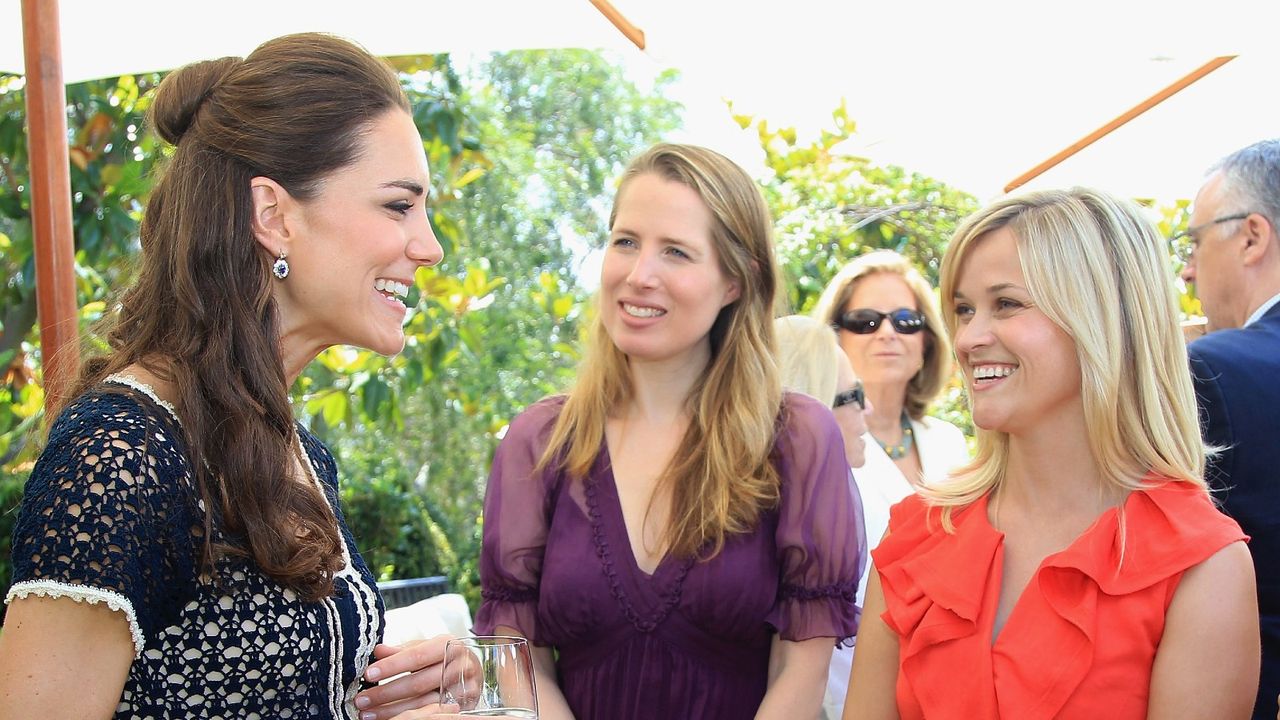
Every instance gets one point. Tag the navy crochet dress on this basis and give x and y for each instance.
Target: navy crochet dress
(111, 515)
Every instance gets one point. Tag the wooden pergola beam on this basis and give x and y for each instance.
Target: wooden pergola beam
(53, 233)
(620, 21)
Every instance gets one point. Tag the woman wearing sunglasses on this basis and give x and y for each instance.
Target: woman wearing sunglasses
(810, 361)
(887, 322)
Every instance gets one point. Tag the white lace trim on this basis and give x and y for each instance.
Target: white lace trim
(366, 616)
(82, 593)
(145, 389)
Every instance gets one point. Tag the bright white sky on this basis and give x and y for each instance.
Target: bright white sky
(976, 93)
(971, 92)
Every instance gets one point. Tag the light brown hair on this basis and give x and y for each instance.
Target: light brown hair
(721, 477)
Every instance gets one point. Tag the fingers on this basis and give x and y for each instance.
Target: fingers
(431, 712)
(417, 655)
(404, 693)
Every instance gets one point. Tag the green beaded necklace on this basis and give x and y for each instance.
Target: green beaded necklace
(899, 451)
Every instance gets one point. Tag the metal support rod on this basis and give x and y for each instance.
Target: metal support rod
(1132, 113)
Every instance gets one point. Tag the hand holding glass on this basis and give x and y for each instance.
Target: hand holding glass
(490, 676)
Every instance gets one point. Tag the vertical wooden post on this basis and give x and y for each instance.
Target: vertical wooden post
(51, 197)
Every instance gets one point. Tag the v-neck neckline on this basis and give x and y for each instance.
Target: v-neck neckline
(992, 605)
(622, 534)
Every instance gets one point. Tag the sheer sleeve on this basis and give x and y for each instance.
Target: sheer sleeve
(517, 507)
(93, 511)
(821, 541)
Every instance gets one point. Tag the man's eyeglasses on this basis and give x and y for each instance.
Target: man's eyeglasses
(854, 394)
(1184, 243)
(865, 321)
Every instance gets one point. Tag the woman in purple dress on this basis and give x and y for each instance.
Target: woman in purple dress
(675, 535)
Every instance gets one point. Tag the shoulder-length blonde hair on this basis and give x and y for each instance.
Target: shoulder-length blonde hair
(1100, 271)
(809, 356)
(934, 373)
(721, 477)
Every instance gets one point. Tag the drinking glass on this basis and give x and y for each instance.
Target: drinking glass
(490, 676)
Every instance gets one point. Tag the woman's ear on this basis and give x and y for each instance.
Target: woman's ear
(270, 226)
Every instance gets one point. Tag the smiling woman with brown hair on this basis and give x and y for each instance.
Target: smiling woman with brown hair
(180, 549)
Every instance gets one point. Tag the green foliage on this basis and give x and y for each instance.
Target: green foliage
(494, 329)
(522, 150)
(831, 206)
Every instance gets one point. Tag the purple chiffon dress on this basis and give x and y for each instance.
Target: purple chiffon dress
(692, 640)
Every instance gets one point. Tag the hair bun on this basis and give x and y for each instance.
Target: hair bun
(183, 92)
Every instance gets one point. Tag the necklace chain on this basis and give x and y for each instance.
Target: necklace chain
(899, 450)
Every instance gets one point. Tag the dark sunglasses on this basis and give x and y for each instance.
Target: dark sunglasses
(865, 321)
(852, 395)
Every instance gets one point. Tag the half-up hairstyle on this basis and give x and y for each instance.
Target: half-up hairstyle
(721, 476)
(1100, 271)
(200, 314)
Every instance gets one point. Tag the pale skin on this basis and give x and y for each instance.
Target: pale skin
(1201, 669)
(1235, 265)
(885, 379)
(46, 644)
(661, 257)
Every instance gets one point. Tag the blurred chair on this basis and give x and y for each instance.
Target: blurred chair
(399, 593)
(445, 614)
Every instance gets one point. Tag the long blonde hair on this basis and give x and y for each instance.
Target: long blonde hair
(721, 477)
(937, 367)
(1100, 271)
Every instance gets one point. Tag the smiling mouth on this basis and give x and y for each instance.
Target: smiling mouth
(640, 311)
(392, 290)
(988, 374)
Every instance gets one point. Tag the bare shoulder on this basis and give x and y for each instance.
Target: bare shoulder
(1230, 566)
(1222, 585)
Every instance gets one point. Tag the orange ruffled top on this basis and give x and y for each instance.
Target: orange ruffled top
(1080, 641)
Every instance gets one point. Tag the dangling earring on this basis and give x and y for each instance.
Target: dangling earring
(281, 267)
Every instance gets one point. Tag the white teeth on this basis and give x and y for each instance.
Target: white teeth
(643, 312)
(986, 372)
(391, 287)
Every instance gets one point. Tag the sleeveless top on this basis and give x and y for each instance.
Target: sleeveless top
(111, 515)
(1080, 641)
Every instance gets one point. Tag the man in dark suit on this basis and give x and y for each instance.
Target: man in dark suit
(1235, 266)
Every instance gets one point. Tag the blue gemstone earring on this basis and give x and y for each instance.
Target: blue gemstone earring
(281, 267)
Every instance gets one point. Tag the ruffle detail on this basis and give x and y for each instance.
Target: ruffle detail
(803, 613)
(669, 597)
(85, 594)
(508, 607)
(936, 584)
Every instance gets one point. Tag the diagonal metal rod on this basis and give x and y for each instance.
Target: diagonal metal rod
(1125, 117)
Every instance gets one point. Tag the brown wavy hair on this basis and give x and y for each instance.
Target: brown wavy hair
(721, 476)
(200, 314)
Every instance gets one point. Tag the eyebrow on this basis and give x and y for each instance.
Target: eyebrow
(998, 287)
(409, 185)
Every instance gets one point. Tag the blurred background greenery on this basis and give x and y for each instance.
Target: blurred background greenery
(524, 149)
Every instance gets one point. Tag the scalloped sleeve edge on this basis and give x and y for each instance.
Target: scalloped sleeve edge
(85, 594)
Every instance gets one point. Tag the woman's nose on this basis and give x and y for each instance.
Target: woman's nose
(425, 248)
